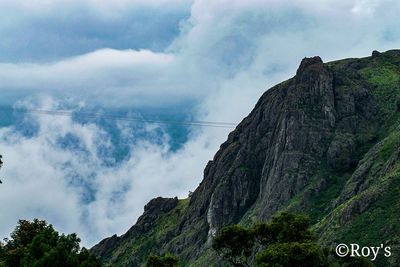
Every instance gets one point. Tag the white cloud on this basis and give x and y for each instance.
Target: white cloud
(107, 74)
(90, 70)
(42, 178)
(227, 54)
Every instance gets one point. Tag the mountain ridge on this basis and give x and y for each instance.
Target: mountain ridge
(316, 143)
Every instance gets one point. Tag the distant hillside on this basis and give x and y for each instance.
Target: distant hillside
(326, 143)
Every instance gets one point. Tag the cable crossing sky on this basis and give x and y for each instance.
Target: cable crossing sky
(89, 115)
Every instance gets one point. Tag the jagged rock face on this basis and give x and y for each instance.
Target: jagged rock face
(267, 159)
(300, 136)
(272, 154)
(328, 118)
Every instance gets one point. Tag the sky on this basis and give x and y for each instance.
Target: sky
(206, 60)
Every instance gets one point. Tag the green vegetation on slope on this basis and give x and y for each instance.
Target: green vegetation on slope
(384, 74)
(150, 242)
(166, 260)
(371, 216)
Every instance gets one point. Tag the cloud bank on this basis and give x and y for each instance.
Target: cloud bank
(221, 56)
(63, 173)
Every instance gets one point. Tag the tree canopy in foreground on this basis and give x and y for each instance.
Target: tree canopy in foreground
(286, 241)
(36, 244)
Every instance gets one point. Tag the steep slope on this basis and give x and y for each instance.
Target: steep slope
(325, 142)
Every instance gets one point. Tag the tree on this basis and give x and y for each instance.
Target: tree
(166, 260)
(289, 227)
(285, 227)
(36, 243)
(354, 262)
(235, 244)
(292, 254)
(286, 241)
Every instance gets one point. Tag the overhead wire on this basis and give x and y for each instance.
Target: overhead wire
(89, 115)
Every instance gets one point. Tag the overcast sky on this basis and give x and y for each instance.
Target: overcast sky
(219, 56)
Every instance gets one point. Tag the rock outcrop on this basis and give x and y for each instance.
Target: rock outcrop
(152, 213)
(315, 143)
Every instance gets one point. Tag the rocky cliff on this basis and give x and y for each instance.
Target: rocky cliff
(326, 142)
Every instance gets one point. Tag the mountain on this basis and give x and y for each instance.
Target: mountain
(325, 142)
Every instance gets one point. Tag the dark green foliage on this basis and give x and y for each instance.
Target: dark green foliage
(263, 234)
(292, 254)
(167, 260)
(235, 244)
(288, 227)
(37, 244)
(286, 241)
(355, 262)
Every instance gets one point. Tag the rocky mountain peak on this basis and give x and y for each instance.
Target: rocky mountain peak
(309, 63)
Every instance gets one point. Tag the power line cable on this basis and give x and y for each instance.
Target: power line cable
(120, 118)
